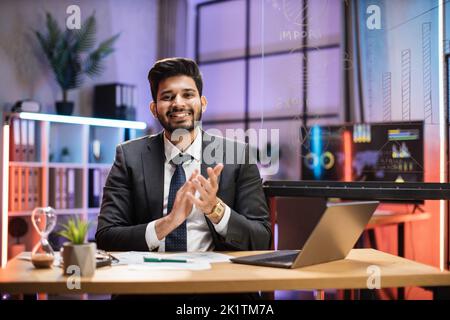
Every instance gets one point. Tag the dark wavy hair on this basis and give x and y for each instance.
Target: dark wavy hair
(170, 67)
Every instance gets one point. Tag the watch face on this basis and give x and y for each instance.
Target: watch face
(217, 211)
(215, 214)
(220, 208)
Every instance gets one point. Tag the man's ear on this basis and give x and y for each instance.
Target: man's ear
(153, 109)
(204, 103)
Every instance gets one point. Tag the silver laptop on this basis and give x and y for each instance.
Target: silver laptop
(333, 237)
(296, 225)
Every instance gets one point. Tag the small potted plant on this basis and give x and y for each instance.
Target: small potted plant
(71, 54)
(77, 253)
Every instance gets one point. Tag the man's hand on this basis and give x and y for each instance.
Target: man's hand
(207, 188)
(182, 207)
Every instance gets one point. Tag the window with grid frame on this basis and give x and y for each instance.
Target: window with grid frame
(271, 64)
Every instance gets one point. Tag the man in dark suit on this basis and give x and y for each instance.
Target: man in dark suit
(182, 189)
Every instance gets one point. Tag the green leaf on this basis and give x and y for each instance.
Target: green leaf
(93, 66)
(65, 234)
(75, 230)
(54, 32)
(44, 45)
(85, 37)
(105, 47)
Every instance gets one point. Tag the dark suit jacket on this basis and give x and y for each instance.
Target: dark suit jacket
(133, 195)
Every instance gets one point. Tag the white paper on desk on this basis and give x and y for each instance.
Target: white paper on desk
(130, 257)
(137, 258)
(208, 256)
(170, 266)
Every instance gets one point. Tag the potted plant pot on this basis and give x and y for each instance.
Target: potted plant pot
(64, 107)
(81, 256)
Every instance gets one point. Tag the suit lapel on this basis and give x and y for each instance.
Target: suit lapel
(153, 167)
(206, 140)
(205, 163)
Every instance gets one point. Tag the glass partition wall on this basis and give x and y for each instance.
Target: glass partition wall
(335, 90)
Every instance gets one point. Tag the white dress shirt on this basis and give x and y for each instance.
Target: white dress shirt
(199, 236)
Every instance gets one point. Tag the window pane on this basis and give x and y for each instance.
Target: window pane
(224, 86)
(274, 25)
(276, 85)
(222, 30)
(324, 81)
(324, 22)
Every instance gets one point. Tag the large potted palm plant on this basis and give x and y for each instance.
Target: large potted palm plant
(71, 54)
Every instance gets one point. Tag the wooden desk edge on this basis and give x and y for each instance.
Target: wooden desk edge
(435, 278)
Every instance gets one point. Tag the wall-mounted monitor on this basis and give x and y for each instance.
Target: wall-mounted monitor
(364, 152)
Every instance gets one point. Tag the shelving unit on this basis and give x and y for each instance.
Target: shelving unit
(88, 144)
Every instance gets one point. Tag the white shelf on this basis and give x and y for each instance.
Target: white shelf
(51, 136)
(70, 211)
(26, 164)
(58, 212)
(100, 165)
(19, 213)
(74, 165)
(86, 121)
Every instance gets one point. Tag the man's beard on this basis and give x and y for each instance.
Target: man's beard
(189, 126)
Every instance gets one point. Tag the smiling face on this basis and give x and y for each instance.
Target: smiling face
(178, 104)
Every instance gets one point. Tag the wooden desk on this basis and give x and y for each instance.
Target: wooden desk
(20, 277)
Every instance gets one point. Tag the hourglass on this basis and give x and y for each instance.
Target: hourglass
(44, 220)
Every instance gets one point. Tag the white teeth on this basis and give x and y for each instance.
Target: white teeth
(180, 115)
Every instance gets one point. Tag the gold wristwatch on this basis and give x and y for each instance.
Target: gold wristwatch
(217, 212)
